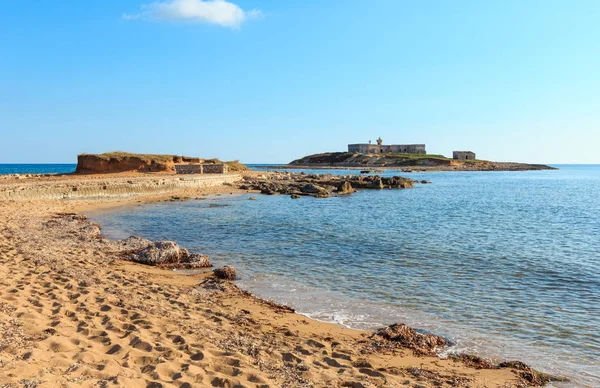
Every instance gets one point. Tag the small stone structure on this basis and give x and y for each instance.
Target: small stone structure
(198, 168)
(463, 155)
(219, 168)
(380, 148)
(188, 168)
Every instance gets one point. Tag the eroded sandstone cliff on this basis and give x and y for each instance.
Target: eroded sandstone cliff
(113, 162)
(120, 162)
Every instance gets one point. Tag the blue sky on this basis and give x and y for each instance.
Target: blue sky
(271, 81)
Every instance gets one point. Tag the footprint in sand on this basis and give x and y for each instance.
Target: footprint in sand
(114, 349)
(315, 344)
(137, 343)
(289, 357)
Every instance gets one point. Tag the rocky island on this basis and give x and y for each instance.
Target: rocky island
(406, 157)
(406, 161)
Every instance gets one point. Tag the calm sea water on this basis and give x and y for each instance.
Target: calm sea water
(504, 264)
(37, 168)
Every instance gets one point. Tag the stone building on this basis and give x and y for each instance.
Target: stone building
(381, 148)
(463, 155)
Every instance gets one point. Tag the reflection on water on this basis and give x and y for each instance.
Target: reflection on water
(504, 264)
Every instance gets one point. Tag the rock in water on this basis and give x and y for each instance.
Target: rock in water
(160, 253)
(227, 273)
(407, 337)
(322, 194)
(345, 188)
(196, 260)
(311, 189)
(377, 184)
(295, 196)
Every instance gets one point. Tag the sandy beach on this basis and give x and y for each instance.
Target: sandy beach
(253, 193)
(73, 313)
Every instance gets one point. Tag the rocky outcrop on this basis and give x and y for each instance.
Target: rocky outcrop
(311, 188)
(345, 188)
(132, 244)
(227, 273)
(117, 162)
(406, 337)
(113, 162)
(323, 194)
(321, 186)
(158, 253)
(196, 260)
(167, 254)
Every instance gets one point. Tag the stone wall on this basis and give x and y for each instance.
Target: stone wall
(214, 168)
(110, 187)
(408, 148)
(188, 168)
(219, 168)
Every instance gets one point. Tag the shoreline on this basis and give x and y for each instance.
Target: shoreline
(382, 367)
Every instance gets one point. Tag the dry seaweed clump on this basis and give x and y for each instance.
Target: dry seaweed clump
(12, 336)
(406, 337)
(528, 375)
(438, 378)
(473, 361)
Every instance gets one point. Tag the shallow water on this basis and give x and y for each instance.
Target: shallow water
(503, 264)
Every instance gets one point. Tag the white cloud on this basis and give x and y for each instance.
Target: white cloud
(220, 12)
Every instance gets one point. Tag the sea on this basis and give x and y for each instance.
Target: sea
(505, 265)
(37, 168)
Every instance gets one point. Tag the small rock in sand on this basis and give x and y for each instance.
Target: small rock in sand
(161, 252)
